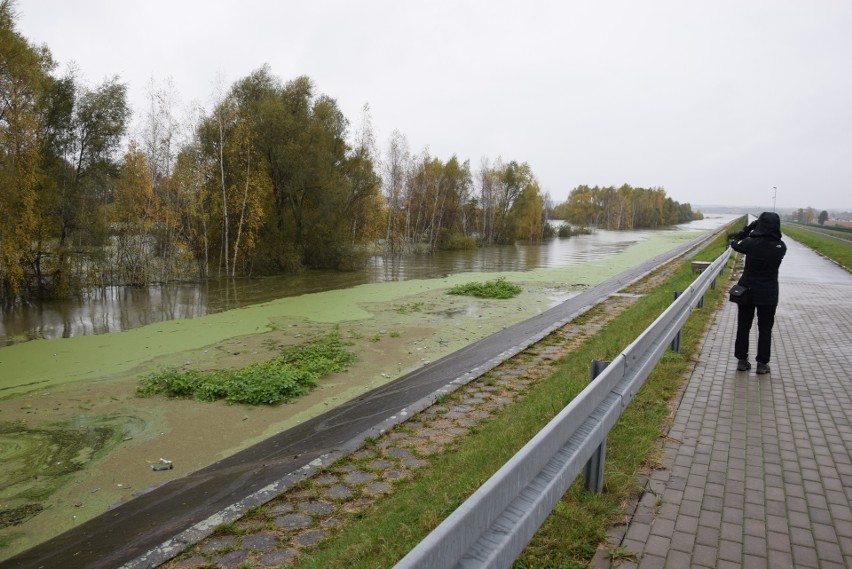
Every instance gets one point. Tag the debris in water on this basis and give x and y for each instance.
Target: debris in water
(162, 464)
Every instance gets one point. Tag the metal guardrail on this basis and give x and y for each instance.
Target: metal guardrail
(492, 527)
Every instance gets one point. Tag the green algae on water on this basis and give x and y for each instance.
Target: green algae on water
(42, 364)
(36, 461)
(63, 367)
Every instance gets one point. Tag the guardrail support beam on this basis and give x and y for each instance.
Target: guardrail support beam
(593, 472)
(675, 345)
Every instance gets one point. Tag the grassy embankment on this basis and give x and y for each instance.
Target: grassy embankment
(838, 251)
(576, 528)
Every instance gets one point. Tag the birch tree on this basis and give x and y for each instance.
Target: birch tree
(223, 117)
(364, 206)
(397, 158)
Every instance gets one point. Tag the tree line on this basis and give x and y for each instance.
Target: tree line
(269, 179)
(625, 207)
(808, 215)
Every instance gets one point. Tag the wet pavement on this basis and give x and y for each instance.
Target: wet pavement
(758, 468)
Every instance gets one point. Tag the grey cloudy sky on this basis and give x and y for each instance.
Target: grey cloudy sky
(715, 101)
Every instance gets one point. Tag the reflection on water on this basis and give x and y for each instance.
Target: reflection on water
(114, 309)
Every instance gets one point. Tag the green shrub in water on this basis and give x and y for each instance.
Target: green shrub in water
(566, 230)
(499, 288)
(286, 377)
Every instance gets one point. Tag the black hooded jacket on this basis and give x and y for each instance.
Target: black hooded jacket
(761, 242)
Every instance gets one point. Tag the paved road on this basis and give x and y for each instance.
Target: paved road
(149, 529)
(758, 470)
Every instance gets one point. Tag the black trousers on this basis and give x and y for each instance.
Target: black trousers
(765, 321)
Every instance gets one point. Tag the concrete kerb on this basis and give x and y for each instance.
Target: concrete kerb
(201, 530)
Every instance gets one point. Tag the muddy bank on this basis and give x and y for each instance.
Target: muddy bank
(84, 384)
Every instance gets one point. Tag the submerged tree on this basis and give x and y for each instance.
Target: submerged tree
(79, 160)
(24, 73)
(365, 205)
(134, 213)
(293, 192)
(623, 208)
(396, 165)
(511, 203)
(268, 180)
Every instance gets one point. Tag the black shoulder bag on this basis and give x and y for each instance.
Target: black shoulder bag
(738, 293)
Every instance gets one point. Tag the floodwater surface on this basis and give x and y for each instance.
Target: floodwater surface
(115, 309)
(77, 439)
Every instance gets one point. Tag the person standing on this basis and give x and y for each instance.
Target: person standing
(761, 243)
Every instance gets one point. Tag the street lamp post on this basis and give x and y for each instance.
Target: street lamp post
(774, 193)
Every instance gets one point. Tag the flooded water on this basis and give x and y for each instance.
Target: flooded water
(115, 309)
(75, 440)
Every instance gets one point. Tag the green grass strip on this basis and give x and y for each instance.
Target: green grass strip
(837, 250)
(290, 375)
(572, 533)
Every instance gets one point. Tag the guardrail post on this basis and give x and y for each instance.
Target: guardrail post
(593, 473)
(675, 345)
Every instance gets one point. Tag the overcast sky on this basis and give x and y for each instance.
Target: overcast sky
(715, 101)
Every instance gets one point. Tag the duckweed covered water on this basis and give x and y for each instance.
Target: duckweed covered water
(36, 461)
(93, 376)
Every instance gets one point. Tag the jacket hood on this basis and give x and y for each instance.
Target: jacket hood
(768, 225)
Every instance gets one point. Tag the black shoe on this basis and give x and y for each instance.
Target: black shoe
(762, 368)
(744, 365)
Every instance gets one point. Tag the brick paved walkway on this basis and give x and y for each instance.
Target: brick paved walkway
(758, 469)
